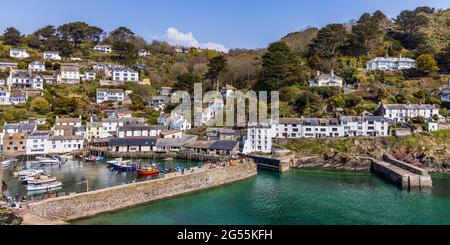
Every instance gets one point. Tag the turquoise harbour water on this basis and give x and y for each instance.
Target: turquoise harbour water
(297, 197)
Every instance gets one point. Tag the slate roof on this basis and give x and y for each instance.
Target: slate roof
(409, 107)
(109, 90)
(147, 141)
(289, 121)
(142, 128)
(228, 145)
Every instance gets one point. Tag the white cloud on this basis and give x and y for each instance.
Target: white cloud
(177, 38)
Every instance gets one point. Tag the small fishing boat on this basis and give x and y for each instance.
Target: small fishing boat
(48, 186)
(94, 159)
(53, 160)
(147, 171)
(28, 173)
(115, 161)
(40, 179)
(125, 166)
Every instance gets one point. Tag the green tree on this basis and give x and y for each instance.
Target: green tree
(426, 63)
(329, 41)
(40, 105)
(12, 36)
(281, 67)
(79, 32)
(217, 66)
(124, 51)
(186, 81)
(444, 59)
(365, 35)
(120, 34)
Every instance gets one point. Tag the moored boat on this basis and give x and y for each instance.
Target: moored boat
(53, 160)
(115, 161)
(94, 159)
(28, 173)
(47, 186)
(147, 171)
(40, 179)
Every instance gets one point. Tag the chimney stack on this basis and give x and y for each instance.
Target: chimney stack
(332, 72)
(318, 73)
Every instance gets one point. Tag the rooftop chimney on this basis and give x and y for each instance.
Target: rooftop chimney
(332, 73)
(400, 55)
(318, 73)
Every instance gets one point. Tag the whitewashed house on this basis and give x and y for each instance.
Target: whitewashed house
(321, 128)
(36, 66)
(65, 144)
(345, 126)
(178, 122)
(69, 74)
(23, 79)
(109, 95)
(403, 112)
(391, 64)
(259, 138)
(111, 124)
(37, 143)
(327, 80)
(288, 128)
(18, 98)
(125, 75)
(140, 131)
(103, 48)
(143, 53)
(159, 102)
(18, 53)
(51, 55)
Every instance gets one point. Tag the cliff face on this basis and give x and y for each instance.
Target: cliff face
(7, 217)
(431, 151)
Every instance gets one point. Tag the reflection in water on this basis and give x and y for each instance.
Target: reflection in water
(78, 176)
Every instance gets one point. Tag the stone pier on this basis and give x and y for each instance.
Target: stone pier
(120, 197)
(400, 173)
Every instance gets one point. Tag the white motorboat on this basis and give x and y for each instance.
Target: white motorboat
(115, 161)
(48, 186)
(28, 173)
(40, 179)
(53, 160)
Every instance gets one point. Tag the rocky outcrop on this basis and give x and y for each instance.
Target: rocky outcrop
(8, 217)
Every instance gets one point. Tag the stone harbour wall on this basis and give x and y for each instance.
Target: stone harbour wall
(120, 197)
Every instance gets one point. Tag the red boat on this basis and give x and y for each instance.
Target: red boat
(147, 171)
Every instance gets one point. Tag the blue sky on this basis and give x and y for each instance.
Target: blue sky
(228, 23)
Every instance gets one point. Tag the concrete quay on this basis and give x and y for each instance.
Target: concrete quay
(84, 205)
(400, 173)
